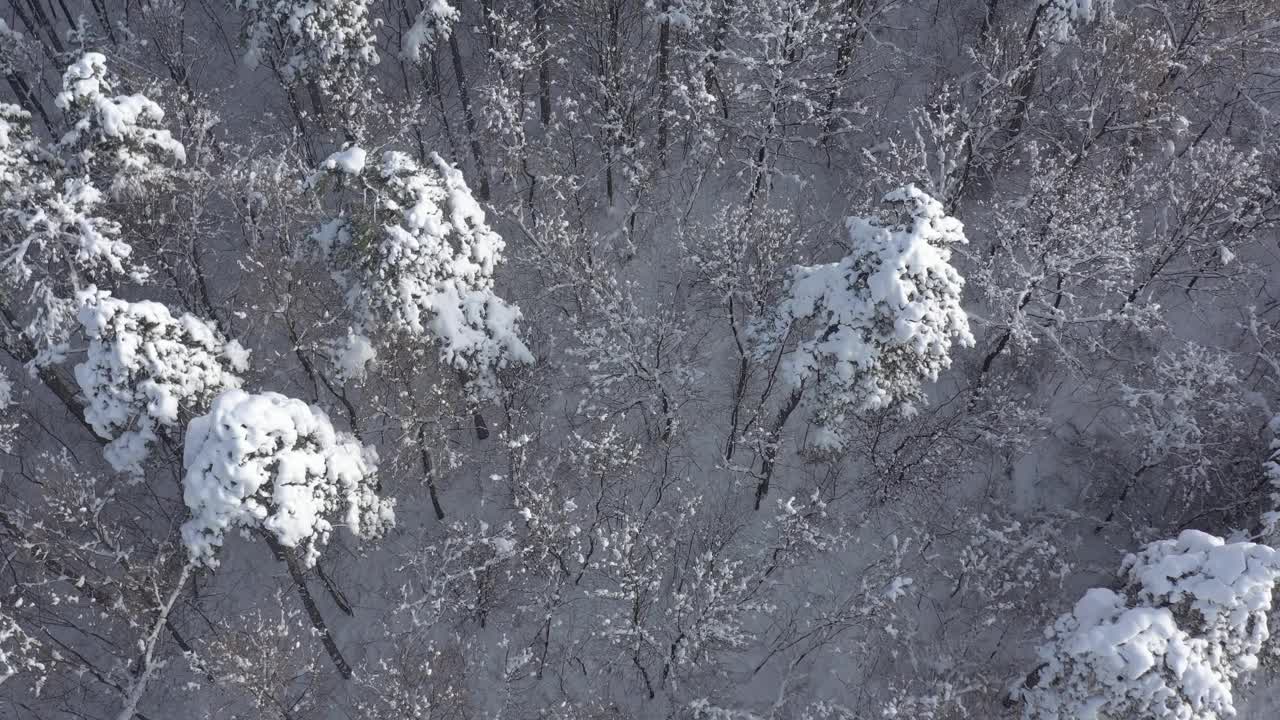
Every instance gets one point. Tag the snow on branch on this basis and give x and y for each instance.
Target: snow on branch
(50, 219)
(1062, 16)
(273, 463)
(882, 320)
(120, 133)
(417, 260)
(56, 233)
(434, 23)
(317, 37)
(145, 368)
(18, 651)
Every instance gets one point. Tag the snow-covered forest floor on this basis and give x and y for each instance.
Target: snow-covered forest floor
(725, 359)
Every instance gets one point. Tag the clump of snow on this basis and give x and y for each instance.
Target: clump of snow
(351, 356)
(1190, 620)
(145, 368)
(433, 24)
(349, 161)
(12, 118)
(882, 320)
(423, 268)
(273, 463)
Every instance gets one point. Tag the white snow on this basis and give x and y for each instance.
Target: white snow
(269, 462)
(882, 320)
(143, 367)
(1191, 621)
(429, 275)
(433, 24)
(349, 161)
(352, 355)
(123, 118)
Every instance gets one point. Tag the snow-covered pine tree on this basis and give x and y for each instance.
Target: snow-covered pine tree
(416, 258)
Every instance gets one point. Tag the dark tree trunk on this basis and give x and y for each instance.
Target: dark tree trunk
(774, 439)
(298, 574)
(468, 116)
(664, 80)
(544, 65)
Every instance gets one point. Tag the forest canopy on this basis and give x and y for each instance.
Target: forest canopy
(590, 359)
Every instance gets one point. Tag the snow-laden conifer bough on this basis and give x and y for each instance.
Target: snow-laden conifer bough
(1187, 623)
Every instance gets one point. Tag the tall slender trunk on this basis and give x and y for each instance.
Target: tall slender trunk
(429, 472)
(664, 80)
(610, 79)
(844, 55)
(147, 664)
(544, 64)
(104, 18)
(27, 99)
(773, 442)
(42, 18)
(1025, 83)
(490, 30)
(740, 387)
(711, 78)
(298, 574)
(20, 348)
(469, 117)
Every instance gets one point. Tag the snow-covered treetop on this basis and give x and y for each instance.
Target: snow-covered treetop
(1190, 619)
(118, 136)
(55, 235)
(433, 24)
(326, 42)
(51, 234)
(881, 321)
(1062, 16)
(146, 370)
(272, 463)
(417, 257)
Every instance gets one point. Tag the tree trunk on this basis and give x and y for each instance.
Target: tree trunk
(664, 80)
(544, 65)
(27, 99)
(469, 118)
(20, 348)
(429, 472)
(42, 19)
(146, 663)
(711, 79)
(773, 440)
(844, 56)
(309, 604)
(1025, 83)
